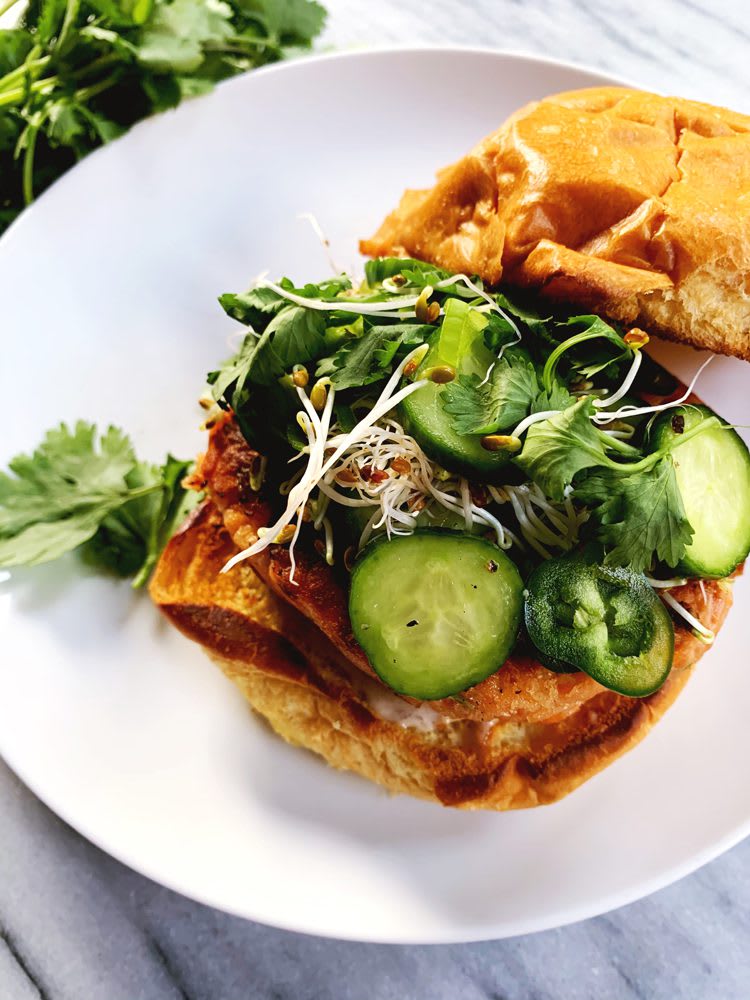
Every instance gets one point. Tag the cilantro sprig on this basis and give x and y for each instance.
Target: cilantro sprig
(498, 402)
(84, 489)
(77, 73)
(639, 516)
(635, 502)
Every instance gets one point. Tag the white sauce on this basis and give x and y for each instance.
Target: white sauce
(389, 707)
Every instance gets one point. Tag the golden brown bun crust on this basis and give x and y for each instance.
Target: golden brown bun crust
(632, 204)
(309, 692)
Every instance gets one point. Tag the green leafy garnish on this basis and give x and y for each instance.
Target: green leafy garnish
(131, 539)
(416, 272)
(77, 73)
(286, 22)
(594, 328)
(367, 359)
(80, 487)
(480, 406)
(639, 516)
(499, 402)
(253, 308)
(557, 449)
(294, 336)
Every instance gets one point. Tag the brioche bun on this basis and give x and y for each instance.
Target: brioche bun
(313, 696)
(627, 203)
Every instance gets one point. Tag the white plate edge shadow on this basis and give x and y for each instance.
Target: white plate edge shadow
(564, 916)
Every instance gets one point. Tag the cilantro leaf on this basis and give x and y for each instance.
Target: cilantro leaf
(58, 496)
(15, 45)
(328, 290)
(582, 357)
(594, 327)
(504, 399)
(43, 541)
(234, 371)
(124, 13)
(65, 124)
(294, 336)
(253, 308)
(290, 22)
(510, 394)
(368, 358)
(524, 315)
(558, 398)
(415, 271)
(76, 482)
(64, 474)
(558, 448)
(258, 306)
(130, 540)
(174, 39)
(499, 332)
(639, 517)
(49, 20)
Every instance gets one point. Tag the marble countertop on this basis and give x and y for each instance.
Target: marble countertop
(77, 925)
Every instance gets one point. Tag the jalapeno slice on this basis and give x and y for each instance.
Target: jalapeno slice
(603, 620)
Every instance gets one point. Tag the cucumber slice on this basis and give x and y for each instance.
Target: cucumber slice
(713, 474)
(435, 612)
(607, 622)
(460, 343)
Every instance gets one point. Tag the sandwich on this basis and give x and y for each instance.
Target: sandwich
(459, 533)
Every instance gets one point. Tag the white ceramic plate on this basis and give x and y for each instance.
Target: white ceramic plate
(108, 288)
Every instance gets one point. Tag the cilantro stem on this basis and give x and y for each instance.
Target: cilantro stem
(86, 93)
(21, 71)
(616, 444)
(28, 159)
(629, 468)
(144, 572)
(19, 94)
(142, 491)
(71, 12)
(96, 65)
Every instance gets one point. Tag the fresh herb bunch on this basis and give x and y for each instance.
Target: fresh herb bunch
(550, 376)
(77, 73)
(83, 490)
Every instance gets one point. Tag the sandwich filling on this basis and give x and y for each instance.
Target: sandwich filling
(470, 497)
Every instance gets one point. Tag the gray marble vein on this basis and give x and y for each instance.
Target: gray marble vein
(77, 925)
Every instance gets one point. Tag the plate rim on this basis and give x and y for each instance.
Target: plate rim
(561, 917)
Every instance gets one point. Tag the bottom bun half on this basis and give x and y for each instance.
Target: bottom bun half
(314, 698)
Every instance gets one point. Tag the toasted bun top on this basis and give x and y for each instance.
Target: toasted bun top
(622, 201)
